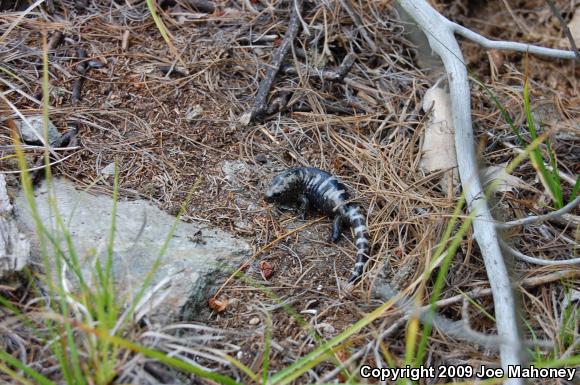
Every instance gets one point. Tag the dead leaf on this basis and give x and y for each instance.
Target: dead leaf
(504, 181)
(266, 270)
(217, 305)
(574, 27)
(439, 142)
(342, 355)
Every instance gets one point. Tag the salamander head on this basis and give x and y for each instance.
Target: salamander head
(284, 188)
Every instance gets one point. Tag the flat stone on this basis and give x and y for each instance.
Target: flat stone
(188, 269)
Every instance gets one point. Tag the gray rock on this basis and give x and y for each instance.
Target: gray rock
(14, 247)
(187, 269)
(32, 132)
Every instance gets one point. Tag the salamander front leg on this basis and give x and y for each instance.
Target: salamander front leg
(336, 228)
(304, 207)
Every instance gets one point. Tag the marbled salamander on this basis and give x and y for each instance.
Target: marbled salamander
(313, 188)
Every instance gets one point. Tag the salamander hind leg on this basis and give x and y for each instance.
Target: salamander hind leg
(304, 207)
(336, 228)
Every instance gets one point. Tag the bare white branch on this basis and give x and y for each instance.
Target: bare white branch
(440, 33)
(538, 261)
(459, 330)
(510, 45)
(540, 218)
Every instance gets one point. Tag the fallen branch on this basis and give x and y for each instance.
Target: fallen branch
(359, 24)
(527, 283)
(506, 45)
(266, 83)
(82, 68)
(440, 34)
(337, 75)
(537, 261)
(459, 330)
(540, 218)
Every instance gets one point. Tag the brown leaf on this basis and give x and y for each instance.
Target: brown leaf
(342, 355)
(266, 269)
(217, 305)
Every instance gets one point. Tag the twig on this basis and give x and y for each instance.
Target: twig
(537, 261)
(125, 40)
(55, 40)
(171, 69)
(336, 76)
(540, 218)
(266, 83)
(77, 86)
(82, 68)
(526, 283)
(359, 24)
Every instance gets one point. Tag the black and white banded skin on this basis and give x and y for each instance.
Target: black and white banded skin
(311, 188)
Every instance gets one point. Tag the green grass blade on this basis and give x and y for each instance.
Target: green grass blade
(505, 114)
(152, 5)
(156, 355)
(5, 357)
(575, 189)
(438, 287)
(302, 365)
(410, 344)
(571, 361)
(266, 354)
(247, 371)
(555, 175)
(546, 177)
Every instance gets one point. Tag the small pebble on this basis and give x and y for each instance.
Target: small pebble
(254, 321)
(108, 169)
(326, 328)
(261, 158)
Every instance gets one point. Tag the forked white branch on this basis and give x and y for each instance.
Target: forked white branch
(440, 33)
